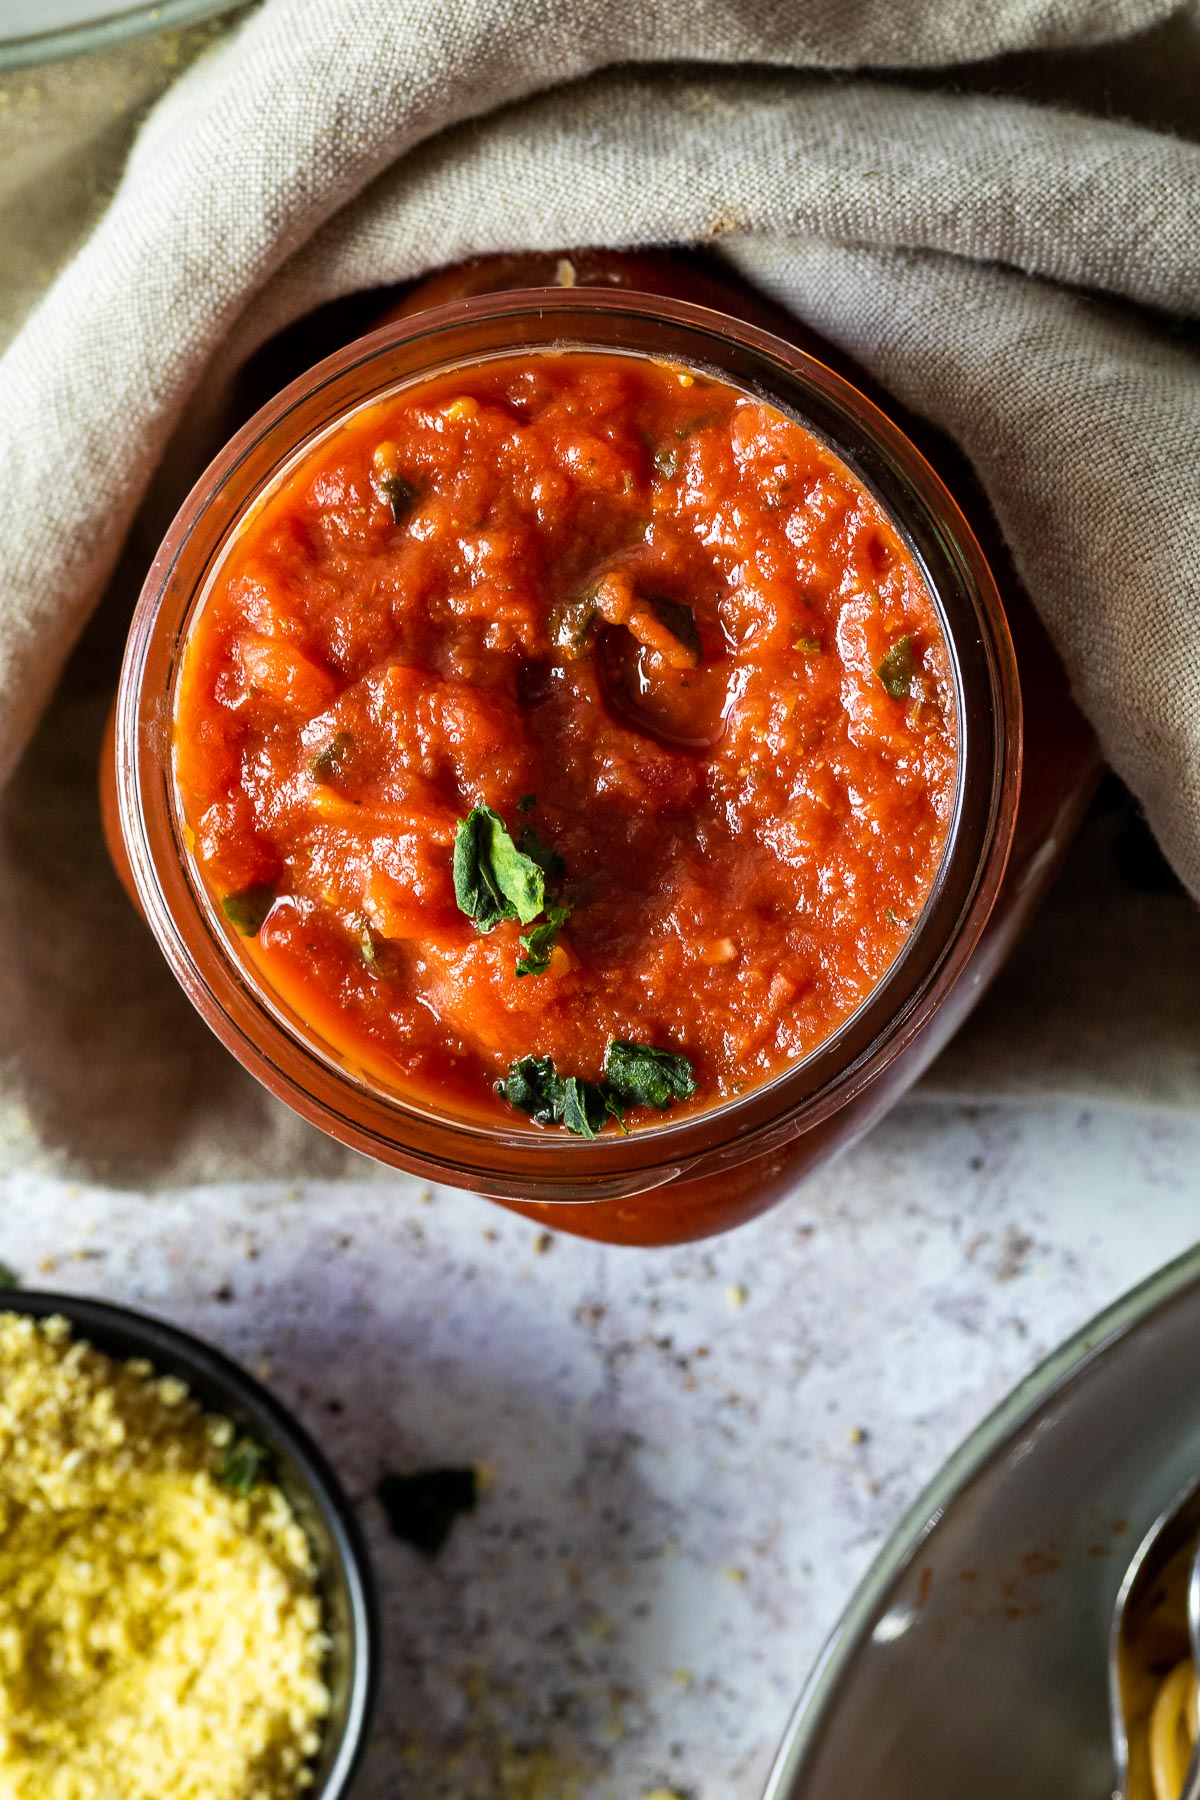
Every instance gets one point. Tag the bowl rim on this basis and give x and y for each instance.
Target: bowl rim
(990, 1439)
(211, 1374)
(109, 27)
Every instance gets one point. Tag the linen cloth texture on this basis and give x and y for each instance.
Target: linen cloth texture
(993, 209)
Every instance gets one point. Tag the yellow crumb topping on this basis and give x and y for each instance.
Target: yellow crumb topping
(160, 1634)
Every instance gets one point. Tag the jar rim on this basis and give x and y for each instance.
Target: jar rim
(520, 1162)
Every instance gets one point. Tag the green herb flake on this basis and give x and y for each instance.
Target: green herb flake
(493, 879)
(327, 763)
(639, 1075)
(533, 1087)
(400, 495)
(368, 949)
(634, 1075)
(241, 1467)
(809, 646)
(421, 1508)
(526, 803)
(898, 667)
(585, 1108)
(538, 943)
(247, 911)
(9, 1277)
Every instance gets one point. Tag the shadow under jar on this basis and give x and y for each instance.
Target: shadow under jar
(673, 1178)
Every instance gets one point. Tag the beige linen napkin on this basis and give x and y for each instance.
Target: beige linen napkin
(1007, 264)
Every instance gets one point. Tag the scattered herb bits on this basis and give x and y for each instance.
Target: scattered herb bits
(538, 944)
(639, 1075)
(247, 911)
(634, 1075)
(533, 1087)
(400, 495)
(421, 1509)
(898, 668)
(241, 1467)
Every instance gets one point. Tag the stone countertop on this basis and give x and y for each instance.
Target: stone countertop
(687, 1457)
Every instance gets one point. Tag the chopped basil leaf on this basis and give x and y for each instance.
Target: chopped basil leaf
(247, 911)
(666, 462)
(533, 1087)
(634, 1075)
(241, 1466)
(809, 645)
(493, 880)
(898, 667)
(421, 1509)
(639, 1075)
(8, 1277)
(585, 1107)
(526, 803)
(400, 495)
(328, 761)
(538, 943)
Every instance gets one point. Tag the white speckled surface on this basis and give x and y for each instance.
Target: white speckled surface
(690, 1454)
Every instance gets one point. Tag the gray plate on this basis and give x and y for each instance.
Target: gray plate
(971, 1662)
(33, 31)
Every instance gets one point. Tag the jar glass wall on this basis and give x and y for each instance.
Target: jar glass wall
(671, 1180)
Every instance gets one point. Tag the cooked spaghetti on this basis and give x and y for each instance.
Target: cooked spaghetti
(1158, 1679)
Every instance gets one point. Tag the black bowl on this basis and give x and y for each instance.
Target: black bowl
(344, 1577)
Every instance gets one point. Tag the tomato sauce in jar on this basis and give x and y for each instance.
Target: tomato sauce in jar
(568, 700)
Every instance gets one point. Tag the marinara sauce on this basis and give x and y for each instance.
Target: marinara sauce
(670, 642)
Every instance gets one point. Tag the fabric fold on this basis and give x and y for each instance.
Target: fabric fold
(1009, 267)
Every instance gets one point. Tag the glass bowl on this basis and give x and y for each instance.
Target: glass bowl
(973, 1659)
(38, 31)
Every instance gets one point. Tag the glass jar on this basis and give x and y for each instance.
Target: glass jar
(666, 1182)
